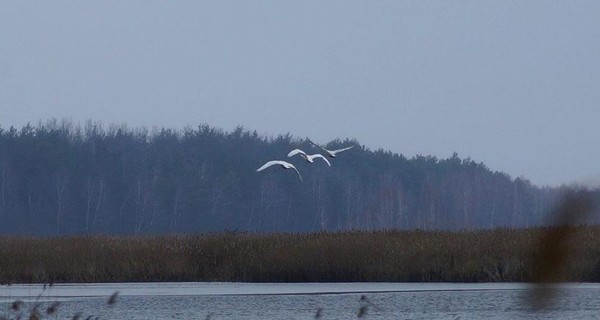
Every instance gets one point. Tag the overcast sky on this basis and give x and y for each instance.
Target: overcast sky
(514, 84)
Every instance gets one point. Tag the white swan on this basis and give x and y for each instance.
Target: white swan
(331, 153)
(308, 157)
(283, 164)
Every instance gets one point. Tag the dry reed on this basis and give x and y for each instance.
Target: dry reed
(413, 256)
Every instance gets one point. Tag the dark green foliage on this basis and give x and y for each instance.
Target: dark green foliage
(60, 179)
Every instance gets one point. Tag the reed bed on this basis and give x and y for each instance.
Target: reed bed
(407, 256)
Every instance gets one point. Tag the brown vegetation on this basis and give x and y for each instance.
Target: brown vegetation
(482, 256)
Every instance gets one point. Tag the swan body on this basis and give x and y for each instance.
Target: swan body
(330, 153)
(283, 164)
(308, 157)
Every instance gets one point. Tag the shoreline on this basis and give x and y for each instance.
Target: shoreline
(236, 288)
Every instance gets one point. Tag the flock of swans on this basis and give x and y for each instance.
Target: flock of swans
(308, 157)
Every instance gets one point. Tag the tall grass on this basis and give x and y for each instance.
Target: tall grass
(482, 256)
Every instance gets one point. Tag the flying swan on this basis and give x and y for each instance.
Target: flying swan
(331, 153)
(308, 157)
(283, 164)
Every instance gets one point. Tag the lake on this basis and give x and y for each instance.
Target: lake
(300, 301)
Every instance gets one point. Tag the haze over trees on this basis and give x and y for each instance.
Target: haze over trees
(59, 178)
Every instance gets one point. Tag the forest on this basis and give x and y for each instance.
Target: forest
(61, 178)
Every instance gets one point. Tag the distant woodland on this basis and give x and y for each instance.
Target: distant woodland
(58, 178)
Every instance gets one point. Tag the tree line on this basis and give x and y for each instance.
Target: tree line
(60, 178)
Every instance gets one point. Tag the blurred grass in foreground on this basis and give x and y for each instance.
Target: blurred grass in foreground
(559, 249)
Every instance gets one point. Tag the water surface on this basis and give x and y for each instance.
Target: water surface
(301, 301)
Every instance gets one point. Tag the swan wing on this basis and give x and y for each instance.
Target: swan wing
(322, 157)
(284, 164)
(295, 152)
(298, 172)
(343, 149)
(268, 164)
(288, 165)
(314, 144)
(317, 145)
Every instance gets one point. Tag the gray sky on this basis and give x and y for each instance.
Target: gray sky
(514, 84)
